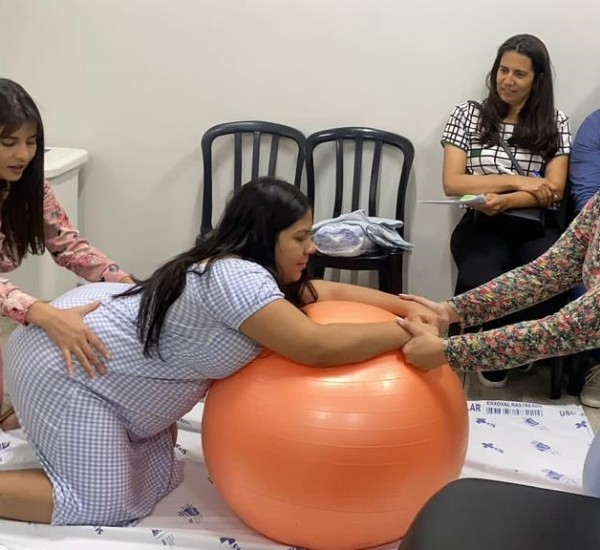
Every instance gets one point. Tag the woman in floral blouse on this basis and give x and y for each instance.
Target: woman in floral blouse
(32, 221)
(573, 259)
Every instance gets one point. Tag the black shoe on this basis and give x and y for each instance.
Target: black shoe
(525, 368)
(493, 378)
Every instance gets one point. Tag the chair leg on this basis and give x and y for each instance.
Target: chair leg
(573, 380)
(317, 272)
(580, 364)
(556, 366)
(397, 282)
(395, 271)
(385, 280)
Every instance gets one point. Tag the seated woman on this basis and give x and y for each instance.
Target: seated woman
(520, 109)
(574, 259)
(106, 442)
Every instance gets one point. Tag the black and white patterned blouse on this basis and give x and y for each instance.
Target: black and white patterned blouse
(462, 130)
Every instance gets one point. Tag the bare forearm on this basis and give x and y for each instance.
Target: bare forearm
(283, 328)
(462, 184)
(329, 290)
(39, 313)
(340, 344)
(520, 199)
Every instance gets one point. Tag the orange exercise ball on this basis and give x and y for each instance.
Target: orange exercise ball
(334, 457)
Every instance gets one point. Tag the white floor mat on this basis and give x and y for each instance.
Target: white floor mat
(541, 445)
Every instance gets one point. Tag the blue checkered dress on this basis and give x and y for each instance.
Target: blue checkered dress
(105, 442)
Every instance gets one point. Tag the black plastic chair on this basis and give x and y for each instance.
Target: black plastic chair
(564, 215)
(257, 129)
(388, 264)
(475, 514)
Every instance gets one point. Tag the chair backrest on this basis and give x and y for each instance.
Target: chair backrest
(255, 129)
(358, 136)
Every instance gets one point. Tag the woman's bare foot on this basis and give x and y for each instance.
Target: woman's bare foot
(8, 418)
(11, 422)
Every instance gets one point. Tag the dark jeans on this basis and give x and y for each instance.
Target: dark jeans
(486, 250)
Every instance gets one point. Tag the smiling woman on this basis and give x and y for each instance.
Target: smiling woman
(514, 82)
(519, 111)
(16, 151)
(33, 221)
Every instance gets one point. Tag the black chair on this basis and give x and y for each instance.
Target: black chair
(476, 514)
(256, 129)
(564, 215)
(388, 264)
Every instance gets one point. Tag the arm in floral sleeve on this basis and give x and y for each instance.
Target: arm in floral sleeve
(69, 249)
(575, 328)
(13, 302)
(555, 271)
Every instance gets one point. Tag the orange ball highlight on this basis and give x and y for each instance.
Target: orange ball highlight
(334, 458)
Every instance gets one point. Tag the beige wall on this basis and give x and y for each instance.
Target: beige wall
(137, 82)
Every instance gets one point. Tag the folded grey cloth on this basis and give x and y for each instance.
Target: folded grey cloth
(341, 239)
(356, 233)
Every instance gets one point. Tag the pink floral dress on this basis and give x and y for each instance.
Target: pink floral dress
(574, 258)
(68, 249)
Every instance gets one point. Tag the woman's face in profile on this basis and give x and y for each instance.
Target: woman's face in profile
(293, 249)
(514, 79)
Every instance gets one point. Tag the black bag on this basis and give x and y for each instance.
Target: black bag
(529, 222)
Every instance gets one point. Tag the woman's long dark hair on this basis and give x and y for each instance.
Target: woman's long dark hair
(248, 229)
(536, 129)
(22, 210)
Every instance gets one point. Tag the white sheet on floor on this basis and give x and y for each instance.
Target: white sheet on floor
(541, 445)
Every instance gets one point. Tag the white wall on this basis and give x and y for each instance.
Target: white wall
(137, 82)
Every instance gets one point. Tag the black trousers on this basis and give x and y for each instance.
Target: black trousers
(486, 250)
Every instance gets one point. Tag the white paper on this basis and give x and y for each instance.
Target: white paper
(457, 201)
(527, 443)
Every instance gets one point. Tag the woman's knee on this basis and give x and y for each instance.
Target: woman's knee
(532, 249)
